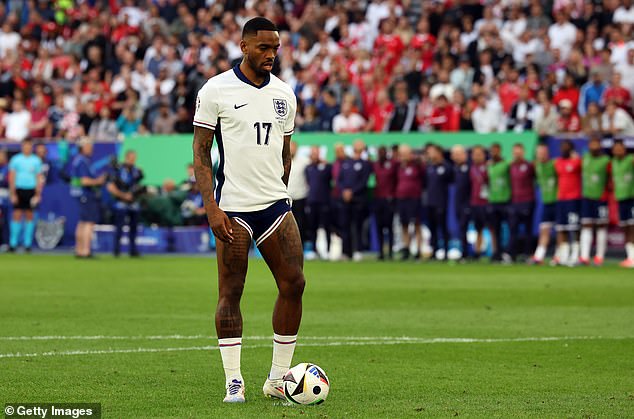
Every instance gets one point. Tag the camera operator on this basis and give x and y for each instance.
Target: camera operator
(124, 186)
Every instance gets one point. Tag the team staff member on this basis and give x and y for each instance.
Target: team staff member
(25, 191)
(547, 182)
(522, 203)
(568, 169)
(462, 194)
(298, 189)
(353, 181)
(499, 198)
(318, 176)
(124, 180)
(409, 187)
(438, 176)
(479, 199)
(385, 174)
(623, 178)
(594, 205)
(84, 186)
(4, 197)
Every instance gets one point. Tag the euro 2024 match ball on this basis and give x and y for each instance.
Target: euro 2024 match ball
(306, 384)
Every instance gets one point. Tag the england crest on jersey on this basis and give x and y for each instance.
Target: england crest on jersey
(281, 107)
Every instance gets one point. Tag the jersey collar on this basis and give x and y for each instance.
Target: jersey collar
(239, 74)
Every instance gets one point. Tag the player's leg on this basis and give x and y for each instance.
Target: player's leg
(433, 228)
(529, 242)
(462, 216)
(494, 224)
(133, 216)
(15, 228)
(389, 227)
(444, 228)
(626, 218)
(404, 217)
(282, 252)
(587, 225)
(232, 259)
(514, 221)
(575, 227)
(119, 221)
(345, 225)
(79, 238)
(359, 214)
(29, 229)
(602, 233)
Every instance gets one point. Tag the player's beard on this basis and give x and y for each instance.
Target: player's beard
(257, 69)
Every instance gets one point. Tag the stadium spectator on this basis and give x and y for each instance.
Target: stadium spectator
(568, 118)
(562, 33)
(16, 124)
(569, 91)
(592, 122)
(486, 116)
(617, 93)
(522, 113)
(592, 91)
(348, 120)
(310, 121)
(165, 120)
(380, 112)
(39, 126)
(546, 120)
(104, 128)
(616, 122)
(627, 71)
(403, 116)
(128, 123)
(442, 117)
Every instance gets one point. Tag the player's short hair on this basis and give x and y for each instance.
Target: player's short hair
(496, 145)
(568, 143)
(618, 141)
(519, 145)
(256, 24)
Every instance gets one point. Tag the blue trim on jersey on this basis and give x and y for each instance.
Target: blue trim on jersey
(220, 174)
(244, 78)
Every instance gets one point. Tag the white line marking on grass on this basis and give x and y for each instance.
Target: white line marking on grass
(328, 341)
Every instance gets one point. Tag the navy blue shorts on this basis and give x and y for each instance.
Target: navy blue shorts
(88, 210)
(409, 210)
(261, 224)
(595, 211)
(626, 212)
(549, 214)
(497, 213)
(479, 216)
(568, 215)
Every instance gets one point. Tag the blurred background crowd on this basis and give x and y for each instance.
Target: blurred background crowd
(115, 68)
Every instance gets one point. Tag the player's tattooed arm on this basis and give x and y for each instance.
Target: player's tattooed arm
(286, 158)
(203, 170)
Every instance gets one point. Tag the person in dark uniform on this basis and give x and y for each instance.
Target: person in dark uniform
(124, 181)
(318, 176)
(410, 178)
(4, 197)
(479, 200)
(439, 176)
(84, 186)
(462, 195)
(353, 181)
(385, 173)
(336, 202)
(522, 203)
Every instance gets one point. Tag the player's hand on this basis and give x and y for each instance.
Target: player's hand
(102, 179)
(35, 201)
(14, 198)
(347, 195)
(221, 226)
(128, 197)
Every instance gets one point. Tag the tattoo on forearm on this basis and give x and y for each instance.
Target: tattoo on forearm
(286, 159)
(203, 169)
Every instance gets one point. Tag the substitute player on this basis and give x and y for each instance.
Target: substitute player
(522, 203)
(499, 199)
(623, 178)
(568, 170)
(251, 114)
(25, 192)
(594, 205)
(479, 199)
(547, 182)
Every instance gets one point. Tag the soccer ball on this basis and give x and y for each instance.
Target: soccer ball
(306, 384)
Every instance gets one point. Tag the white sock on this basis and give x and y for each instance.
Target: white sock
(586, 242)
(629, 250)
(574, 253)
(230, 349)
(540, 253)
(602, 241)
(564, 252)
(283, 348)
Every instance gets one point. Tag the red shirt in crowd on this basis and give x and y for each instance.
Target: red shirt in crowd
(509, 94)
(568, 178)
(620, 95)
(409, 180)
(392, 47)
(570, 123)
(426, 43)
(379, 116)
(571, 94)
(522, 181)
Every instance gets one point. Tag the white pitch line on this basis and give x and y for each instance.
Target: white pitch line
(362, 342)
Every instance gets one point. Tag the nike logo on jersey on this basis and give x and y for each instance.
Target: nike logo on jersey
(239, 106)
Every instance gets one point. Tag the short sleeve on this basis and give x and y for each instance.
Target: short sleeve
(289, 127)
(206, 114)
(13, 164)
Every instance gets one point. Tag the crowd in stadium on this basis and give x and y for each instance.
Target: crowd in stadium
(116, 68)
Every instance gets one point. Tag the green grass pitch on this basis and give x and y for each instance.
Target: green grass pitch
(374, 327)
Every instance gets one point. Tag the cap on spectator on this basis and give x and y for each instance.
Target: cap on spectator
(565, 103)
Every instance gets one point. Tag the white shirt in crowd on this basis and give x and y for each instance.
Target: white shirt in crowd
(623, 15)
(627, 75)
(622, 121)
(562, 37)
(297, 185)
(438, 89)
(352, 123)
(16, 125)
(487, 119)
(9, 41)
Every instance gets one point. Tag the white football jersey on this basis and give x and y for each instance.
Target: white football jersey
(250, 123)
